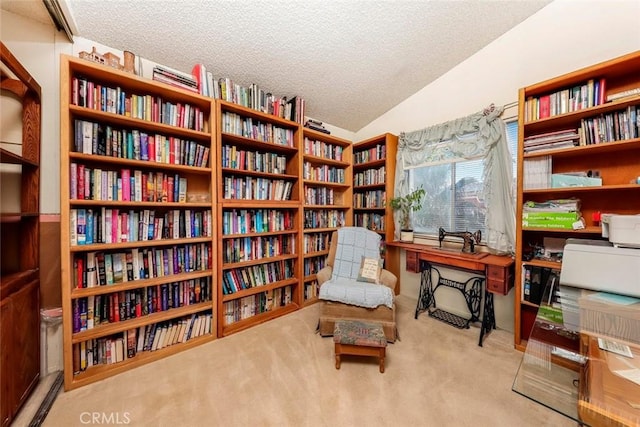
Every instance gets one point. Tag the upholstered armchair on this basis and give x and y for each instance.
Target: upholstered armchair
(345, 294)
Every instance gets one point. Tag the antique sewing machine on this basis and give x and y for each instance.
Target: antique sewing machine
(470, 239)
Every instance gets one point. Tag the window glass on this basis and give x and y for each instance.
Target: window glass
(454, 199)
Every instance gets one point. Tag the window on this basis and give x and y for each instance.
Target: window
(454, 199)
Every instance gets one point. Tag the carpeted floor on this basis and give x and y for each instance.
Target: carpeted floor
(282, 374)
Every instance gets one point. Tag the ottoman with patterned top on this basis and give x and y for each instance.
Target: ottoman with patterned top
(352, 337)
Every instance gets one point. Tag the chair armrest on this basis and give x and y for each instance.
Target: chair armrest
(388, 279)
(324, 274)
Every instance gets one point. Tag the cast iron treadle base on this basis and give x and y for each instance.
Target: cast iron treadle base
(451, 319)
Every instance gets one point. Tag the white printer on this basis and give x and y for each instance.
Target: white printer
(622, 230)
(599, 265)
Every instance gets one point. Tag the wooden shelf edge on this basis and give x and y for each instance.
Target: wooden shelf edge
(259, 289)
(137, 284)
(100, 372)
(258, 318)
(124, 325)
(15, 159)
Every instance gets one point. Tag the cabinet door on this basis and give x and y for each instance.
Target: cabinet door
(25, 345)
(6, 326)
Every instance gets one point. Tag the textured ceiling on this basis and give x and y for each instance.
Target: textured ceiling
(350, 60)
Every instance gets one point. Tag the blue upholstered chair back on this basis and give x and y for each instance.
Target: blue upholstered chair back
(353, 244)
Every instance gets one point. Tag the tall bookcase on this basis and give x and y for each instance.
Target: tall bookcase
(374, 165)
(258, 204)
(326, 170)
(137, 220)
(20, 234)
(601, 103)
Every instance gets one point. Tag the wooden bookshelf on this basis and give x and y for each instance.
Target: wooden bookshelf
(326, 170)
(137, 220)
(258, 206)
(20, 241)
(615, 153)
(374, 165)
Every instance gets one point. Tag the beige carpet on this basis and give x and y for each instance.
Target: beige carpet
(283, 374)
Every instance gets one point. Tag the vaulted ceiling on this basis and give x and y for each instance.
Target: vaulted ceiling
(350, 60)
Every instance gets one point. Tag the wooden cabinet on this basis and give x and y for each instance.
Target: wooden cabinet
(20, 272)
(259, 187)
(374, 165)
(601, 105)
(326, 173)
(137, 220)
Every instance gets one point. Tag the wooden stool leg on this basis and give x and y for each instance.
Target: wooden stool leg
(382, 356)
(337, 361)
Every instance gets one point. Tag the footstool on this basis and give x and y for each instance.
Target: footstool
(357, 338)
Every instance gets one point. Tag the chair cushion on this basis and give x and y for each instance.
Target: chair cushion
(353, 244)
(352, 292)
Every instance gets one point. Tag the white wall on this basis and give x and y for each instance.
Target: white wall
(562, 37)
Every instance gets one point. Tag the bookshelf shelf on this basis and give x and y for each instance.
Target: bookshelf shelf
(134, 152)
(19, 236)
(259, 289)
(242, 324)
(137, 284)
(588, 150)
(100, 372)
(125, 325)
(608, 141)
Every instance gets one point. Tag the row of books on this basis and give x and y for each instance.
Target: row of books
(122, 346)
(551, 140)
(247, 307)
(105, 225)
(99, 268)
(324, 173)
(125, 185)
(105, 140)
(319, 196)
(616, 126)
(324, 218)
(88, 94)
(311, 289)
(314, 264)
(240, 221)
(370, 177)
(370, 199)
(536, 172)
(534, 281)
(234, 158)
(251, 97)
(237, 279)
(175, 78)
(315, 242)
(250, 188)
(323, 149)
(257, 247)
(316, 125)
(249, 127)
(589, 94)
(379, 152)
(372, 221)
(93, 311)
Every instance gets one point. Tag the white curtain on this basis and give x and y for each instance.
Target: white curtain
(479, 135)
